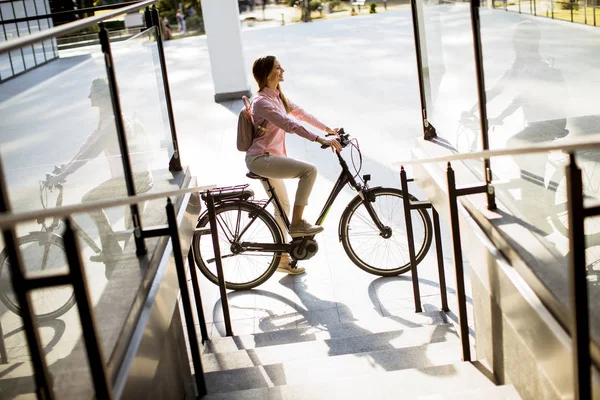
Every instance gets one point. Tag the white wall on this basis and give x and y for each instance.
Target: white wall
(223, 34)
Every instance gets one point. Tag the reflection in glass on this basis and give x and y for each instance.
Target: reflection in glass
(142, 95)
(448, 73)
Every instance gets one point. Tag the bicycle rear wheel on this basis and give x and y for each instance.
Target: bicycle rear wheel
(40, 254)
(368, 248)
(238, 222)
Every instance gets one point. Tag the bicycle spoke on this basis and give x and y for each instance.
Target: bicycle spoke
(246, 223)
(375, 252)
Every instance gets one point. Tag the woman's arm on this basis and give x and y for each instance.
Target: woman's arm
(299, 113)
(263, 109)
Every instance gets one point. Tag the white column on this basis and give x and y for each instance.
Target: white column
(223, 34)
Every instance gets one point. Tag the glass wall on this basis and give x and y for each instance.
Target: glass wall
(28, 57)
(58, 126)
(541, 84)
(448, 73)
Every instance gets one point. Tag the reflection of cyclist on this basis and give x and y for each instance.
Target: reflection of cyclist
(537, 88)
(104, 139)
(267, 155)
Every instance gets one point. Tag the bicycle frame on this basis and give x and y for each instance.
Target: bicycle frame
(344, 178)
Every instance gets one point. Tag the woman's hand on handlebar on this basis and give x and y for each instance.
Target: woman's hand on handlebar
(334, 132)
(333, 143)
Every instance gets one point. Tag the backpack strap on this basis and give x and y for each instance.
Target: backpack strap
(248, 111)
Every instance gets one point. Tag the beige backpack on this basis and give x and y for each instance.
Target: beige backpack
(245, 130)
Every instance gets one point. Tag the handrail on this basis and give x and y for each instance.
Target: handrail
(66, 211)
(69, 27)
(566, 146)
(69, 12)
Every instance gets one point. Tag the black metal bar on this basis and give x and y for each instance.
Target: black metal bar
(580, 329)
(591, 211)
(197, 297)
(47, 281)
(3, 353)
(440, 259)
(40, 369)
(148, 19)
(571, 11)
(458, 266)
(122, 137)
(185, 299)
(210, 205)
(155, 232)
(411, 242)
(70, 12)
(465, 191)
(428, 130)
(86, 316)
(175, 162)
(420, 205)
(475, 25)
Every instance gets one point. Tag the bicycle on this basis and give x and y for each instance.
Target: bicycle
(251, 241)
(48, 256)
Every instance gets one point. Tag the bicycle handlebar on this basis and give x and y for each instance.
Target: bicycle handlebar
(343, 138)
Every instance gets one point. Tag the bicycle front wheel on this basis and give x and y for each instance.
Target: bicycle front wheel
(238, 222)
(40, 254)
(384, 254)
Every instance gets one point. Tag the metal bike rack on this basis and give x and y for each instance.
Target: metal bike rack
(578, 290)
(422, 205)
(210, 205)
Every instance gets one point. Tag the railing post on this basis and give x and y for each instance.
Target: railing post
(175, 162)
(196, 288)
(84, 306)
(121, 135)
(42, 378)
(185, 299)
(458, 266)
(475, 25)
(578, 293)
(148, 19)
(440, 259)
(411, 241)
(210, 206)
(3, 354)
(429, 132)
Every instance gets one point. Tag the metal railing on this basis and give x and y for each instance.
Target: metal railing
(579, 323)
(22, 285)
(577, 212)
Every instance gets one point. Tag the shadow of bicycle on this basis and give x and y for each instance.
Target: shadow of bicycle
(361, 345)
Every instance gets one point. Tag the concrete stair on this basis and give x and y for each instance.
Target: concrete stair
(374, 360)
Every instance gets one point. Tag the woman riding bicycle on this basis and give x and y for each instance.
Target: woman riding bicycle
(267, 155)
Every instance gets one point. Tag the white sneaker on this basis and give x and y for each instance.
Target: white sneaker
(284, 266)
(304, 228)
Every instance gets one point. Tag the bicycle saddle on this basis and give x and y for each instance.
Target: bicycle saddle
(254, 176)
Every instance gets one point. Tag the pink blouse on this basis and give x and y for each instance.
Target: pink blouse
(268, 107)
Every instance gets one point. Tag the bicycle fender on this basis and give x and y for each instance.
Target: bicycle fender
(204, 215)
(357, 199)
